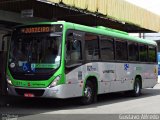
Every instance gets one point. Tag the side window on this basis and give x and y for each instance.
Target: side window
(107, 49)
(133, 51)
(143, 52)
(152, 54)
(121, 50)
(91, 47)
(73, 48)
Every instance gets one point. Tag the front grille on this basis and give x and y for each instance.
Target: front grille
(37, 93)
(32, 77)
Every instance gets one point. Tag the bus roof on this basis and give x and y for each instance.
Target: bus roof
(100, 30)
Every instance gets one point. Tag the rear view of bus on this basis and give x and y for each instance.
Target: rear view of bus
(34, 60)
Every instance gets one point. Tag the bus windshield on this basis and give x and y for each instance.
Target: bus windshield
(35, 53)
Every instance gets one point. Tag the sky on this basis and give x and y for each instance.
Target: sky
(151, 5)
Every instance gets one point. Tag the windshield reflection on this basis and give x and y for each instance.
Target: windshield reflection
(33, 53)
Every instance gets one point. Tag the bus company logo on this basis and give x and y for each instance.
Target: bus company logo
(155, 70)
(126, 66)
(108, 71)
(12, 65)
(90, 68)
(19, 83)
(29, 84)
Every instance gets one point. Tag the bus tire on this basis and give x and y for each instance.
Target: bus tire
(136, 88)
(89, 94)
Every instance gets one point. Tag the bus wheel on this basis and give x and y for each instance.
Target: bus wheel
(137, 88)
(89, 94)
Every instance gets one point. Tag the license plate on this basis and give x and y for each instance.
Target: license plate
(28, 95)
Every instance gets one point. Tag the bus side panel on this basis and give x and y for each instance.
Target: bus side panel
(96, 69)
(111, 77)
(104, 73)
(149, 75)
(107, 75)
(124, 75)
(76, 77)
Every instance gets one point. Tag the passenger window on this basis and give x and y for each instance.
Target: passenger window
(73, 49)
(143, 53)
(91, 47)
(107, 49)
(152, 54)
(121, 50)
(133, 51)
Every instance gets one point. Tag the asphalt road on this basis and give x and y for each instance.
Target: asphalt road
(114, 105)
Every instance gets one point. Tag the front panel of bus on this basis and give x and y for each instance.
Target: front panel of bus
(34, 60)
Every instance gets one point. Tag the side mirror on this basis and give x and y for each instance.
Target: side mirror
(5, 42)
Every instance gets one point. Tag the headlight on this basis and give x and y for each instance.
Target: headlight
(8, 80)
(55, 81)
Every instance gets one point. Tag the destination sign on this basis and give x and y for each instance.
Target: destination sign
(35, 29)
(41, 29)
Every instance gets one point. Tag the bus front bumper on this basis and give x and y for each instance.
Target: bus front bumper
(60, 91)
(55, 92)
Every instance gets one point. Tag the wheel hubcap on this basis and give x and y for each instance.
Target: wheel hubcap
(137, 88)
(88, 93)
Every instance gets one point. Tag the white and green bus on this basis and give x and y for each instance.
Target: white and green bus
(66, 60)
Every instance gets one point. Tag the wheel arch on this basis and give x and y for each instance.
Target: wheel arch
(94, 80)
